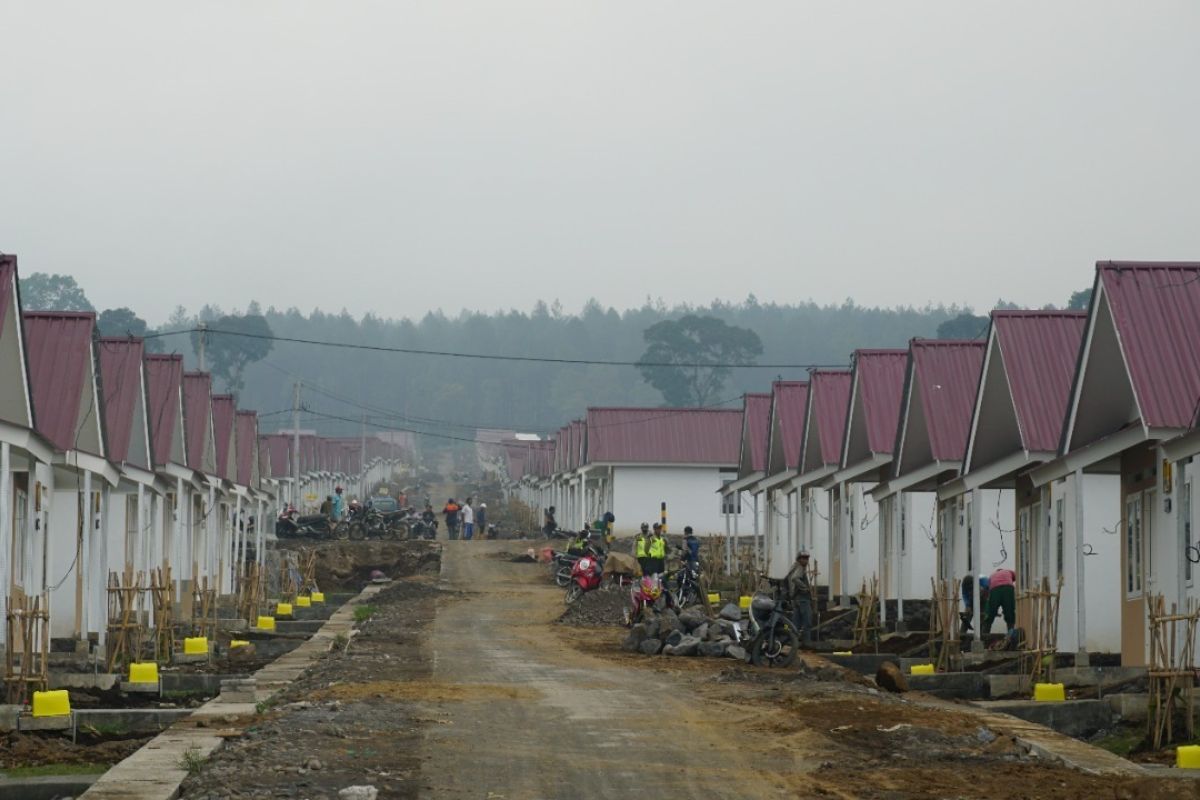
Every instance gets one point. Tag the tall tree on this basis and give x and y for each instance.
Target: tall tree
(964, 326)
(1080, 300)
(43, 292)
(703, 347)
(123, 322)
(227, 354)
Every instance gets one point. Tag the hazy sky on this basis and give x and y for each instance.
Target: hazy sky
(396, 156)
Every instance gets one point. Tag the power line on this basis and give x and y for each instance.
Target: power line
(494, 357)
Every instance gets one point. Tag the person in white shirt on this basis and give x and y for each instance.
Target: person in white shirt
(468, 518)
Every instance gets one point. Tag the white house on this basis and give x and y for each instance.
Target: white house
(752, 467)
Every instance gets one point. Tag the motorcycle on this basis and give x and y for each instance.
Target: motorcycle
(424, 529)
(291, 525)
(773, 640)
(687, 585)
(565, 562)
(647, 592)
(586, 575)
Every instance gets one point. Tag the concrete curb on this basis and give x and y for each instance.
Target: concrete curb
(153, 772)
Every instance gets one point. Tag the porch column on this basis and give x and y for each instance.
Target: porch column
(235, 559)
(1081, 653)
(885, 540)
(728, 535)
(158, 507)
(899, 517)
(843, 523)
(737, 514)
(210, 535)
(757, 562)
(140, 556)
(790, 550)
(6, 531)
(84, 565)
(976, 533)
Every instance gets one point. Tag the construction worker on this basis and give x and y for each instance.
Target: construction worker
(641, 549)
(800, 592)
(339, 506)
(1001, 599)
(657, 551)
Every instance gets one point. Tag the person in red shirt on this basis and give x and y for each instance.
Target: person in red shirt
(1002, 597)
(451, 511)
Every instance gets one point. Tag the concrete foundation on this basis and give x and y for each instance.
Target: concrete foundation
(951, 685)
(46, 787)
(1076, 718)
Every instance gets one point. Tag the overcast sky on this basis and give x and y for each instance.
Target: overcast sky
(398, 156)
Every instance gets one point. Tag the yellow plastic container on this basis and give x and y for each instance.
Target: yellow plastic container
(266, 623)
(921, 669)
(744, 602)
(283, 609)
(714, 599)
(303, 602)
(238, 643)
(842, 653)
(143, 673)
(54, 703)
(1049, 692)
(195, 646)
(1187, 756)
(317, 597)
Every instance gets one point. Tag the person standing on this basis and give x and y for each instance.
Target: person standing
(481, 520)
(641, 549)
(691, 548)
(450, 510)
(468, 519)
(339, 506)
(800, 592)
(1002, 598)
(657, 550)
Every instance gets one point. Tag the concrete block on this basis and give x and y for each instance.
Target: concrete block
(9, 716)
(1077, 718)
(1130, 707)
(139, 688)
(129, 720)
(28, 722)
(1009, 686)
(83, 680)
(951, 685)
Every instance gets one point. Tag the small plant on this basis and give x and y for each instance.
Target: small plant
(340, 642)
(191, 761)
(363, 613)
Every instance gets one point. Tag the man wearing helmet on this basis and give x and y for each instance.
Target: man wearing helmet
(800, 591)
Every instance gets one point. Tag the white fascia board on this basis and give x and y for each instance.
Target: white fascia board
(136, 474)
(1183, 446)
(28, 440)
(872, 464)
(771, 481)
(93, 464)
(1094, 453)
(814, 476)
(740, 484)
(910, 479)
(982, 476)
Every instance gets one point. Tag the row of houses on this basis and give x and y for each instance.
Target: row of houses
(1059, 446)
(116, 461)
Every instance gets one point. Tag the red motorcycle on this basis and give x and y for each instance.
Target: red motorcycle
(586, 574)
(646, 593)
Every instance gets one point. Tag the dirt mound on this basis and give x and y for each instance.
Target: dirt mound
(601, 607)
(348, 565)
(33, 749)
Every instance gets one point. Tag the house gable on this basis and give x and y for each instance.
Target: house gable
(1103, 401)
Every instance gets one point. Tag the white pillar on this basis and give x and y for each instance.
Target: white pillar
(881, 570)
(900, 516)
(1081, 655)
(140, 554)
(85, 562)
(210, 536)
(843, 523)
(6, 531)
(757, 561)
(976, 533)
(235, 558)
(737, 514)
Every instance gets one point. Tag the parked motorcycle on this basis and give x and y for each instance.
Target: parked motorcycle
(773, 640)
(687, 585)
(291, 525)
(424, 529)
(586, 575)
(646, 592)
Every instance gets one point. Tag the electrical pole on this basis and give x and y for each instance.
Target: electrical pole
(296, 444)
(362, 462)
(203, 326)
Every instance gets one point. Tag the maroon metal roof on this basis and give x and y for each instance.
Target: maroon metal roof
(197, 413)
(561, 449)
(880, 376)
(1040, 350)
(828, 404)
(789, 408)
(164, 379)
(664, 435)
(947, 373)
(578, 435)
(756, 431)
(59, 348)
(279, 449)
(247, 446)
(1156, 310)
(8, 286)
(121, 384)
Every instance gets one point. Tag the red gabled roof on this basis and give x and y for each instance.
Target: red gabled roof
(247, 446)
(578, 429)
(197, 411)
(664, 435)
(756, 430)
(59, 349)
(121, 384)
(880, 375)
(264, 459)
(828, 404)
(8, 285)
(1040, 350)
(279, 448)
(790, 408)
(9, 299)
(164, 379)
(223, 411)
(1156, 309)
(947, 373)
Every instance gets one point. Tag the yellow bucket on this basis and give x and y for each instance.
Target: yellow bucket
(1187, 756)
(921, 669)
(195, 646)
(238, 643)
(303, 602)
(317, 597)
(283, 609)
(744, 602)
(143, 673)
(714, 598)
(842, 653)
(56, 703)
(1049, 692)
(266, 623)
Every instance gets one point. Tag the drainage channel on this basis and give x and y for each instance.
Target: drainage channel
(155, 771)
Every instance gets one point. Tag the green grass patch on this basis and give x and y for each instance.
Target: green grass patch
(45, 770)
(363, 613)
(1122, 742)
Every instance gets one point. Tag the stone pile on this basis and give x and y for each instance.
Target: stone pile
(687, 633)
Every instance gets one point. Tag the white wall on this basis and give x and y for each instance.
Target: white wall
(691, 495)
(1102, 571)
(919, 559)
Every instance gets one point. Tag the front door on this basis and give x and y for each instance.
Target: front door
(1135, 575)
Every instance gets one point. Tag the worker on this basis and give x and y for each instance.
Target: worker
(641, 549)
(800, 591)
(339, 505)
(549, 523)
(326, 509)
(968, 593)
(1002, 598)
(578, 545)
(451, 511)
(691, 548)
(481, 520)
(657, 551)
(468, 519)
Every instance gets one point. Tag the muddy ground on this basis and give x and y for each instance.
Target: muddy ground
(40, 749)
(467, 686)
(348, 565)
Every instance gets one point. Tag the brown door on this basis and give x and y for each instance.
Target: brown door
(1135, 560)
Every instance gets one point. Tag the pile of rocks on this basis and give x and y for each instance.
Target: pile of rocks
(687, 633)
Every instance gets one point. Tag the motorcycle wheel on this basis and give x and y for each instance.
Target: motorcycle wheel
(777, 648)
(357, 531)
(574, 592)
(400, 531)
(340, 531)
(562, 576)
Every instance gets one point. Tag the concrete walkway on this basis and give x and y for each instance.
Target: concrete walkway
(155, 771)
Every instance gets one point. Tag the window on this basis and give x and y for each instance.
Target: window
(1059, 535)
(1133, 546)
(731, 503)
(1185, 508)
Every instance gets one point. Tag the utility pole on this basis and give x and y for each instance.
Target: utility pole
(203, 326)
(296, 444)
(362, 462)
